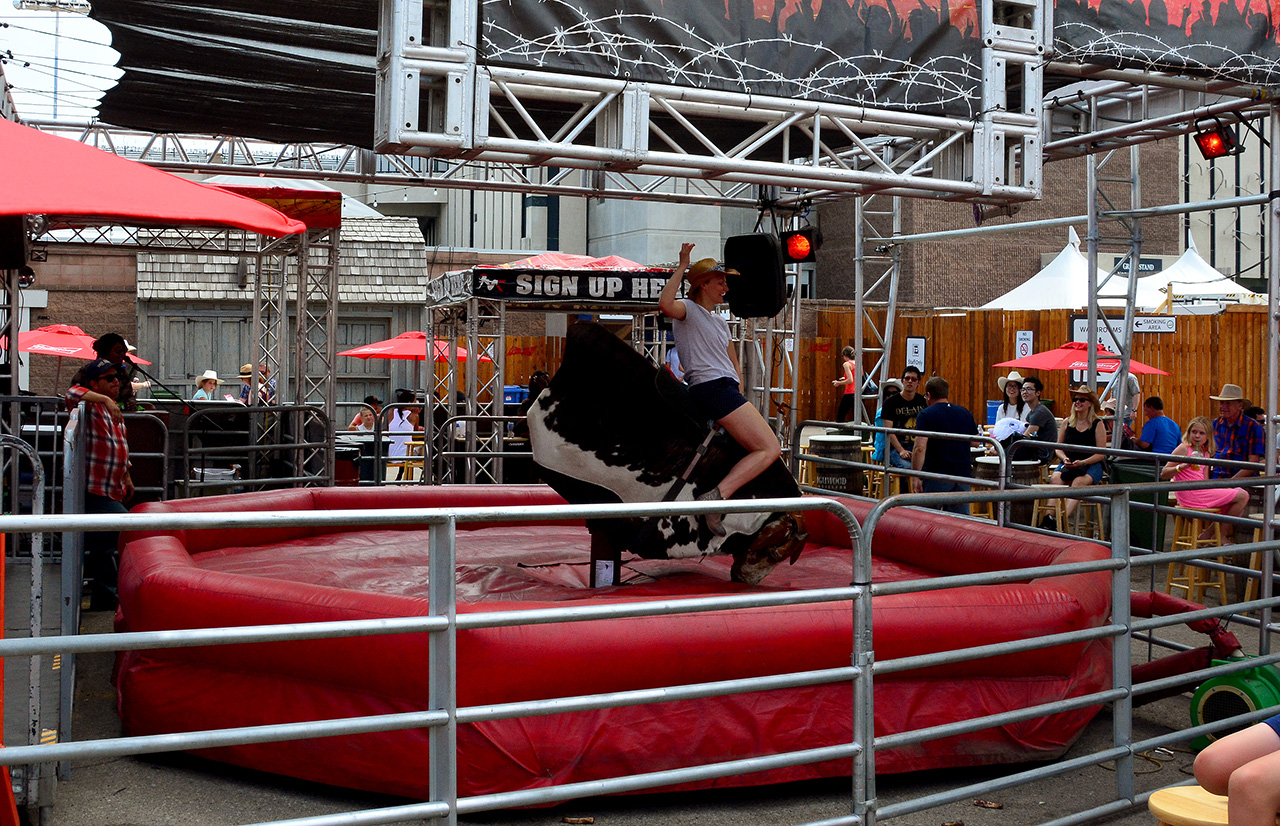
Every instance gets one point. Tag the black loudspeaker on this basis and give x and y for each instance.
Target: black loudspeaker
(760, 288)
(13, 242)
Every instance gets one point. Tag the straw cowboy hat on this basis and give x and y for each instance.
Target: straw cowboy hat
(246, 371)
(206, 376)
(703, 269)
(1014, 375)
(1230, 393)
(893, 383)
(1083, 392)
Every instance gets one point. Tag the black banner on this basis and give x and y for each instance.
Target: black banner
(1224, 38)
(921, 55)
(577, 287)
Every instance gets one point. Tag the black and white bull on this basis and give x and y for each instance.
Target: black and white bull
(613, 428)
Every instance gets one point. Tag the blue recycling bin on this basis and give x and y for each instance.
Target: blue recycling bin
(992, 409)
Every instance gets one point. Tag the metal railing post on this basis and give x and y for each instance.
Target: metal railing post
(443, 693)
(1121, 646)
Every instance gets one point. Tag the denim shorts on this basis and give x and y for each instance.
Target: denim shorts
(1094, 470)
(717, 398)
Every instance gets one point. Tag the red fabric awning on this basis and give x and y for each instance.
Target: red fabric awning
(75, 184)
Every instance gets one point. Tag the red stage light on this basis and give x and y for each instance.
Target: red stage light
(1217, 142)
(801, 245)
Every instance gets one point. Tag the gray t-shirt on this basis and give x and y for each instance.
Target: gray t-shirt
(702, 338)
(1048, 432)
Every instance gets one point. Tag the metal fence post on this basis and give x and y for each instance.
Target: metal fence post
(1121, 650)
(443, 694)
(864, 761)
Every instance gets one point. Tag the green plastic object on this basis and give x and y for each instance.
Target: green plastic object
(1231, 695)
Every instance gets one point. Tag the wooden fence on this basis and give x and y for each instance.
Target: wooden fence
(1203, 353)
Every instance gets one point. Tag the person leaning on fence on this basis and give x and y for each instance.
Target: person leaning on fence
(1245, 766)
(1238, 437)
(113, 348)
(107, 481)
(1083, 427)
(1197, 443)
(949, 457)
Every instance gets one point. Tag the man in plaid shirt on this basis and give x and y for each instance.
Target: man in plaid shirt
(1238, 437)
(107, 482)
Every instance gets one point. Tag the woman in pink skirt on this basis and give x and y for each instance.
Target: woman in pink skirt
(1197, 443)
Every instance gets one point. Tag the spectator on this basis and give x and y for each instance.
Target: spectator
(1041, 424)
(673, 363)
(1083, 427)
(266, 386)
(891, 388)
(539, 381)
(1238, 437)
(849, 398)
(206, 386)
(1198, 444)
(1245, 766)
(1257, 414)
(107, 481)
(368, 414)
(404, 420)
(900, 411)
(943, 456)
(1160, 434)
(114, 349)
(1013, 406)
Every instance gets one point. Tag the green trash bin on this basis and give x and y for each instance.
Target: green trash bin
(1146, 529)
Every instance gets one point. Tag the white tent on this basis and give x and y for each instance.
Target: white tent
(1192, 277)
(1063, 284)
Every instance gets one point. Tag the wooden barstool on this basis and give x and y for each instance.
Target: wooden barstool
(985, 510)
(1056, 508)
(1193, 579)
(1252, 589)
(1188, 806)
(1087, 521)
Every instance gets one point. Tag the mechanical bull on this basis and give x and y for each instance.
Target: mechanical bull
(613, 428)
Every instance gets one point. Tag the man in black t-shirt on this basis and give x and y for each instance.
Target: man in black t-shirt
(901, 412)
(938, 455)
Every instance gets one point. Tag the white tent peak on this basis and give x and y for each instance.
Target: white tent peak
(1062, 284)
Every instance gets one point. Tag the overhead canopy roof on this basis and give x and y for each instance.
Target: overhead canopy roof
(287, 71)
(75, 184)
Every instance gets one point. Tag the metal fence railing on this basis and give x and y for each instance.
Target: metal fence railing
(441, 714)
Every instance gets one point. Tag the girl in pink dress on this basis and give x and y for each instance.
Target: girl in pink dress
(1197, 443)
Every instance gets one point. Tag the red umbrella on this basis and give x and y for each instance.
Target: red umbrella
(61, 340)
(1074, 355)
(78, 184)
(410, 345)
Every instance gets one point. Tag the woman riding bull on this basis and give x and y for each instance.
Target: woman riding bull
(711, 369)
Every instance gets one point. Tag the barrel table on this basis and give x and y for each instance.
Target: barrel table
(838, 478)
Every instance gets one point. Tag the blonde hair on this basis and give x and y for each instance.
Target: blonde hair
(1210, 446)
(1093, 411)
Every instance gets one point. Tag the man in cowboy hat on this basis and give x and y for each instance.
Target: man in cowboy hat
(1238, 437)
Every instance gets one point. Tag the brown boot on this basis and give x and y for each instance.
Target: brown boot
(713, 520)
